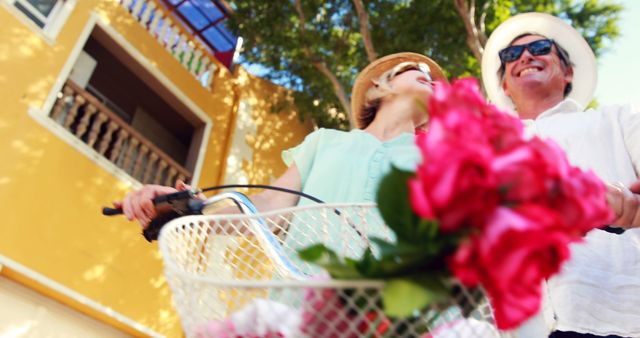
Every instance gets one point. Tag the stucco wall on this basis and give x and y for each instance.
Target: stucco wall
(51, 194)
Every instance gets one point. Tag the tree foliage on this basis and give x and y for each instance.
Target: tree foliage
(316, 47)
(276, 38)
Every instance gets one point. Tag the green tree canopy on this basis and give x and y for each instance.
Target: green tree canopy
(316, 48)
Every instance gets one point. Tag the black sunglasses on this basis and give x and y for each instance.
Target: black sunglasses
(538, 47)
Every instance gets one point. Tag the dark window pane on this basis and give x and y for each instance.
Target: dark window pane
(217, 39)
(43, 6)
(193, 15)
(222, 27)
(210, 10)
(28, 14)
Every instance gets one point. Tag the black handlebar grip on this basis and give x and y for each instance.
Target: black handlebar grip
(181, 203)
(157, 201)
(111, 211)
(173, 197)
(152, 231)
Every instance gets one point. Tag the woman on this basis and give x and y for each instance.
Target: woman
(337, 166)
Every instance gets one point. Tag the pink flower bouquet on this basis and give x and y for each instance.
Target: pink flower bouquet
(487, 207)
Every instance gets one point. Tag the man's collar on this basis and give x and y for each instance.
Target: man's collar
(565, 106)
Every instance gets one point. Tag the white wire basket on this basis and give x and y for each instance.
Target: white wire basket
(246, 268)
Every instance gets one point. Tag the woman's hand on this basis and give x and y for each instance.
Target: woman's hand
(625, 203)
(138, 205)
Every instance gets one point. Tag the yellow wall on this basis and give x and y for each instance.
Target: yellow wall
(26, 313)
(262, 133)
(51, 194)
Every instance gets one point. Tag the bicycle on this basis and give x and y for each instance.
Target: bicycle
(221, 265)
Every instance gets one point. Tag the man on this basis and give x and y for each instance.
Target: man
(542, 69)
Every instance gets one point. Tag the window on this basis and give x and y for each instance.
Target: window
(207, 20)
(48, 15)
(39, 11)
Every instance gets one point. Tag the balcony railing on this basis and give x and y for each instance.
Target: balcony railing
(89, 120)
(163, 25)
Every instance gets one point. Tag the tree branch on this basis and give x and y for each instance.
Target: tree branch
(482, 21)
(338, 89)
(322, 67)
(303, 21)
(363, 18)
(475, 39)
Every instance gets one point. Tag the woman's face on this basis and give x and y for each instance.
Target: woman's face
(416, 84)
(413, 82)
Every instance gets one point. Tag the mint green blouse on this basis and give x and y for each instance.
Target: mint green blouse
(342, 167)
(346, 167)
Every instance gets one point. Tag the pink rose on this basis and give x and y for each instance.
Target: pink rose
(462, 95)
(530, 171)
(582, 202)
(325, 315)
(466, 264)
(503, 130)
(538, 171)
(261, 318)
(514, 203)
(519, 248)
(454, 184)
(457, 110)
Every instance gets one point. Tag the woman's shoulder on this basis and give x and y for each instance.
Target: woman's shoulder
(331, 132)
(327, 134)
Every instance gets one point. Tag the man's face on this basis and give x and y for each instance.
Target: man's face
(544, 72)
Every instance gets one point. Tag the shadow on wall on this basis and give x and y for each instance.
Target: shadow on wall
(19, 46)
(261, 132)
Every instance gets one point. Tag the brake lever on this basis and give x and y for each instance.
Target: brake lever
(191, 206)
(181, 203)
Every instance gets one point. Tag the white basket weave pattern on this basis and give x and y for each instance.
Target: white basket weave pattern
(219, 265)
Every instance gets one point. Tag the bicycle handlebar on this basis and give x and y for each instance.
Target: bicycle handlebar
(186, 203)
(178, 201)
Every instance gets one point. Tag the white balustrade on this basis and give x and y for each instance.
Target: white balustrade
(85, 117)
(175, 38)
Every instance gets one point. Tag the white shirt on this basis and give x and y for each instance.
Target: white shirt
(598, 289)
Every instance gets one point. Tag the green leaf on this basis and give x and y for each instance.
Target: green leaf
(394, 206)
(425, 231)
(396, 260)
(402, 297)
(408, 259)
(327, 259)
(368, 266)
(395, 249)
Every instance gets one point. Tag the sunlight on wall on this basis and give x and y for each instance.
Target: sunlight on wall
(56, 192)
(241, 152)
(26, 313)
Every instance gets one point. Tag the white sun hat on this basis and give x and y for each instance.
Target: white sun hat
(585, 71)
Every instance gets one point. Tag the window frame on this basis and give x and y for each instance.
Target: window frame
(174, 7)
(41, 113)
(52, 23)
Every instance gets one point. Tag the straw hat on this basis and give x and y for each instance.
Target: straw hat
(374, 70)
(584, 69)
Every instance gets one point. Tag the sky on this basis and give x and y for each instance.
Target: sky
(619, 67)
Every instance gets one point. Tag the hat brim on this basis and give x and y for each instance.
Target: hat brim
(585, 66)
(374, 70)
